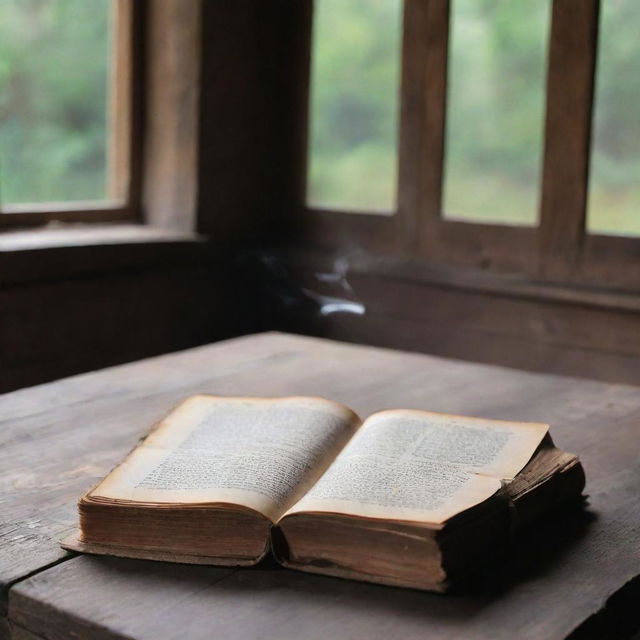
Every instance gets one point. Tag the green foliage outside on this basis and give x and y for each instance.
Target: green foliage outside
(53, 85)
(354, 104)
(495, 119)
(614, 198)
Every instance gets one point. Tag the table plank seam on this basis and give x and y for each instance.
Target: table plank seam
(22, 632)
(9, 586)
(611, 614)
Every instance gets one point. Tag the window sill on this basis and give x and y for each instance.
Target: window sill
(72, 250)
(470, 280)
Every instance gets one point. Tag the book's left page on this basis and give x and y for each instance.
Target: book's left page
(259, 453)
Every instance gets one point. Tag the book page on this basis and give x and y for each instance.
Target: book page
(256, 452)
(422, 466)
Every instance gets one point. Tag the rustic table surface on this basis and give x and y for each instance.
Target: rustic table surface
(59, 438)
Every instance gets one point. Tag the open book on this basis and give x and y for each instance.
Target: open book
(408, 498)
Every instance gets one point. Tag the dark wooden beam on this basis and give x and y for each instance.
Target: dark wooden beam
(249, 130)
(171, 125)
(424, 88)
(570, 83)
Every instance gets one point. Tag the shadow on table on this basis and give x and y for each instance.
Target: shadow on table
(533, 552)
(536, 553)
(524, 593)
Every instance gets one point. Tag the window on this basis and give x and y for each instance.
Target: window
(498, 104)
(65, 110)
(495, 110)
(354, 105)
(614, 188)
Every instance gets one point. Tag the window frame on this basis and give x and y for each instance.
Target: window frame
(124, 113)
(558, 249)
(377, 232)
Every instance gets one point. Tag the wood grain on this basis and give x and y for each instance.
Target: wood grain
(45, 255)
(51, 424)
(570, 83)
(21, 216)
(19, 633)
(607, 260)
(59, 438)
(120, 100)
(249, 134)
(424, 90)
(55, 328)
(171, 123)
(516, 322)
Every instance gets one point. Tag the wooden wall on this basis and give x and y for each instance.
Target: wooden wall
(465, 316)
(534, 335)
(84, 308)
(249, 109)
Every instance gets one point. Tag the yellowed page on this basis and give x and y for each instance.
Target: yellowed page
(262, 453)
(422, 466)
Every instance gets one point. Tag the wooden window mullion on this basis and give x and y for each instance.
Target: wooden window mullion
(442, 241)
(570, 85)
(424, 78)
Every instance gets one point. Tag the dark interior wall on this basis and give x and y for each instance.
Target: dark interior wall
(452, 316)
(139, 301)
(249, 134)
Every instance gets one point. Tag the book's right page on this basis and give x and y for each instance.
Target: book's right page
(421, 466)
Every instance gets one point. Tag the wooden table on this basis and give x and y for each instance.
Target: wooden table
(59, 438)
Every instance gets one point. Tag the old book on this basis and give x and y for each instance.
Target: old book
(408, 498)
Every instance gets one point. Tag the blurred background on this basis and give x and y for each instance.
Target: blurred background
(54, 107)
(459, 177)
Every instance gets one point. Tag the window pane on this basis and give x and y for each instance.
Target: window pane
(614, 192)
(495, 110)
(53, 100)
(354, 104)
